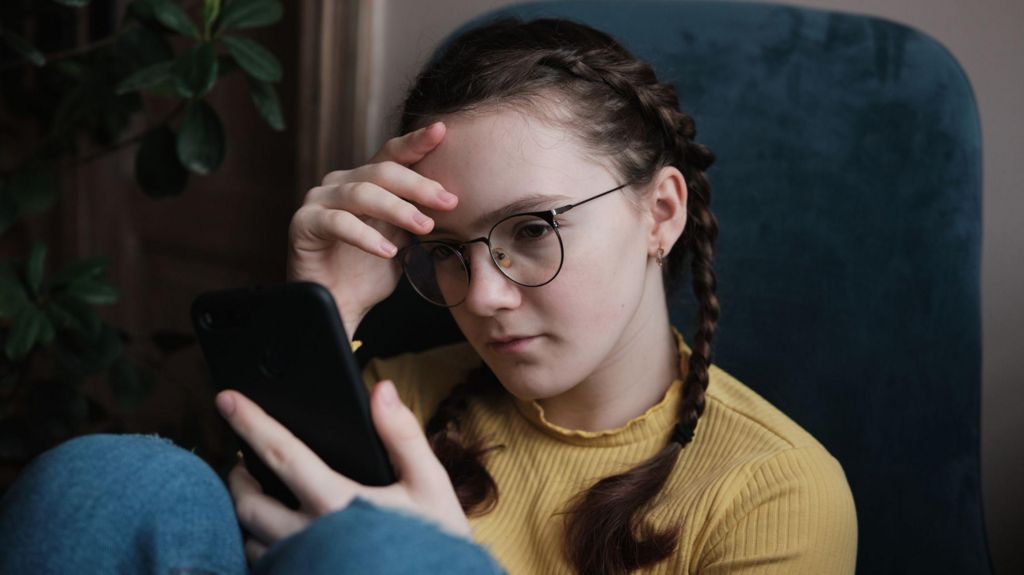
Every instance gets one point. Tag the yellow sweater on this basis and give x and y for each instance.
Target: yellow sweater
(755, 493)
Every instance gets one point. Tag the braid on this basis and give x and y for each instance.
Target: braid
(474, 486)
(699, 240)
(605, 521)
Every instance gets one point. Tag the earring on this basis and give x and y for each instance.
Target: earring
(660, 257)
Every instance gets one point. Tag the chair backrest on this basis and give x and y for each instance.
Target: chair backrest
(848, 193)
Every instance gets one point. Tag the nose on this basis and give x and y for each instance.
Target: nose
(489, 289)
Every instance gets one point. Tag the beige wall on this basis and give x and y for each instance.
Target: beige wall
(986, 37)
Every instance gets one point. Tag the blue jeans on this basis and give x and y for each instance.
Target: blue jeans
(140, 504)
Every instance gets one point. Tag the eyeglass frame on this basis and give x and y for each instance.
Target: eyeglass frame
(459, 247)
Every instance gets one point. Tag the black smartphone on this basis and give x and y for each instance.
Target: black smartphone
(285, 348)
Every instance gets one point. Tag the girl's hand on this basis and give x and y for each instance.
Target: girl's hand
(349, 228)
(423, 487)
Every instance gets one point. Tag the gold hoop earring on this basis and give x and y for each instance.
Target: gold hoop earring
(660, 257)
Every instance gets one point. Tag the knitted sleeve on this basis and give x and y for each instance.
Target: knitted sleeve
(425, 378)
(794, 515)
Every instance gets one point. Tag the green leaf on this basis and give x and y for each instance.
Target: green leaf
(201, 139)
(82, 269)
(211, 9)
(256, 60)
(34, 269)
(73, 3)
(28, 325)
(47, 332)
(264, 96)
(60, 317)
(71, 314)
(146, 78)
(142, 11)
(13, 297)
(112, 114)
(196, 71)
(166, 89)
(157, 168)
(171, 15)
(23, 47)
(34, 190)
(139, 47)
(250, 14)
(93, 291)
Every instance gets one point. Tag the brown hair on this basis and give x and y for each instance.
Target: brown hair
(617, 107)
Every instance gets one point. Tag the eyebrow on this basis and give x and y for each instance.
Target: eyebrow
(530, 203)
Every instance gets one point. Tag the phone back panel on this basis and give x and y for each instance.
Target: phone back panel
(285, 348)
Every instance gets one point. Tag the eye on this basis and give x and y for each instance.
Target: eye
(440, 252)
(532, 231)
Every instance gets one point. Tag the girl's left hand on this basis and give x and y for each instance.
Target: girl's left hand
(423, 485)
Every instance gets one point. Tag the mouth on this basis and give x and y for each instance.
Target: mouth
(511, 344)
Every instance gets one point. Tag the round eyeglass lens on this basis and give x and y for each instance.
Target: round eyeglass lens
(526, 249)
(437, 272)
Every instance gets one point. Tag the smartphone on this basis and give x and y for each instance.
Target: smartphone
(285, 348)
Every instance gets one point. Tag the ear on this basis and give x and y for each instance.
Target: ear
(666, 207)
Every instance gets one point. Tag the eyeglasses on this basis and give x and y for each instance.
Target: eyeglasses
(527, 248)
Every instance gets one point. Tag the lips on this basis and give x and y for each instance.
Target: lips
(507, 339)
(511, 344)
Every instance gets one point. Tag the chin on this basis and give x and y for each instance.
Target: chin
(527, 383)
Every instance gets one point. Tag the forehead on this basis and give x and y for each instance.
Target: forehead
(491, 159)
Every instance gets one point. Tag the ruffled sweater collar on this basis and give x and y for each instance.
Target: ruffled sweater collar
(655, 423)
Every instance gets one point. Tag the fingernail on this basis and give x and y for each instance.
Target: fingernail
(388, 395)
(388, 248)
(226, 404)
(421, 219)
(446, 197)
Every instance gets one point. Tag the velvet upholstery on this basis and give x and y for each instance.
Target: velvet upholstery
(848, 193)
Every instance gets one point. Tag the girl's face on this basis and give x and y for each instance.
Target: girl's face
(578, 322)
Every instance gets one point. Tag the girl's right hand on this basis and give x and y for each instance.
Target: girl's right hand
(349, 228)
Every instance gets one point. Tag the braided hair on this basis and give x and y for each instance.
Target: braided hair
(584, 80)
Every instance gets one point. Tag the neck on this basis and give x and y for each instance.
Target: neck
(631, 380)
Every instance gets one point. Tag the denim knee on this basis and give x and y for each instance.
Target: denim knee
(366, 538)
(120, 502)
(140, 471)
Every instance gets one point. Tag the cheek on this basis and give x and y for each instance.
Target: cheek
(599, 284)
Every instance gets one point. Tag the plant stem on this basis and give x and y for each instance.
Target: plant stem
(71, 52)
(79, 50)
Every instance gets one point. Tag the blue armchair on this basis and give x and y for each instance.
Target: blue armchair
(848, 192)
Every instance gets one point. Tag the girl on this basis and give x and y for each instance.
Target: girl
(547, 190)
